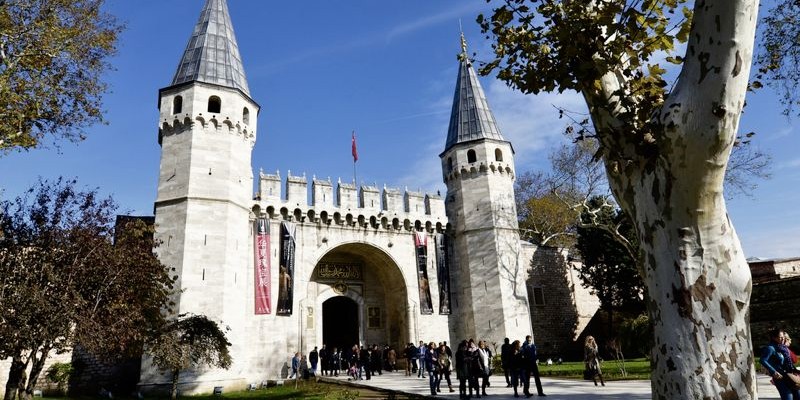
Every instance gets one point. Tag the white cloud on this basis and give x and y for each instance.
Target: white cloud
(530, 122)
(772, 243)
(451, 14)
(426, 173)
(791, 164)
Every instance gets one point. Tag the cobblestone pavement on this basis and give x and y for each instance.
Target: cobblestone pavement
(554, 388)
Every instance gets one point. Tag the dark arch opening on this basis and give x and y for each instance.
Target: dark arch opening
(214, 104)
(177, 105)
(340, 322)
(246, 116)
(498, 155)
(471, 156)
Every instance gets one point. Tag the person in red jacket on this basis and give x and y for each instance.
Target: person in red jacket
(788, 342)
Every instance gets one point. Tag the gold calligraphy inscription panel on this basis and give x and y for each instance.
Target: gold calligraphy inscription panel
(339, 271)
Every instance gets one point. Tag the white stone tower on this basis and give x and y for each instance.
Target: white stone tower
(207, 133)
(478, 169)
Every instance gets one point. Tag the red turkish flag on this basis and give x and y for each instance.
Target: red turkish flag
(354, 150)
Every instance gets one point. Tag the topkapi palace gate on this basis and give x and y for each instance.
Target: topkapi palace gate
(354, 265)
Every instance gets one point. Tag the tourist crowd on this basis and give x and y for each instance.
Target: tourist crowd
(472, 363)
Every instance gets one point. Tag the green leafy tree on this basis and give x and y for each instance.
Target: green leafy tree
(779, 56)
(53, 54)
(187, 342)
(63, 280)
(608, 269)
(665, 149)
(637, 334)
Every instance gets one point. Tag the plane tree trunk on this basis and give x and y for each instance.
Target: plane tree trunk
(671, 184)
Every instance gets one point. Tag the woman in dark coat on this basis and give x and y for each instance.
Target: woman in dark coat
(462, 370)
(475, 369)
(517, 362)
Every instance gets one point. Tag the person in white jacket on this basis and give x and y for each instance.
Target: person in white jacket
(486, 364)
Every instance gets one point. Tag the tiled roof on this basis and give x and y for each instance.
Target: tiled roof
(212, 54)
(471, 118)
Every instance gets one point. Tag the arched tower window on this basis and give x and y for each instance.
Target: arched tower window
(471, 157)
(246, 116)
(177, 105)
(214, 104)
(498, 155)
(449, 164)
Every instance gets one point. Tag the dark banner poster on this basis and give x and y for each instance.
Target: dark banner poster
(286, 272)
(421, 245)
(262, 273)
(443, 273)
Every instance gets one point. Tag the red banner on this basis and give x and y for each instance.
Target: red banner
(262, 264)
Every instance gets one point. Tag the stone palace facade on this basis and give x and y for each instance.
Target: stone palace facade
(363, 265)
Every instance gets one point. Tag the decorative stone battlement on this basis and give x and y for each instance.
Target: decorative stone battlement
(210, 122)
(480, 168)
(367, 206)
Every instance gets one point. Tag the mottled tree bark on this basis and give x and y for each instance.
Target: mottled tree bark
(698, 280)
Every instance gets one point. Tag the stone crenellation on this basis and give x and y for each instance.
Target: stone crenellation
(482, 168)
(388, 208)
(186, 123)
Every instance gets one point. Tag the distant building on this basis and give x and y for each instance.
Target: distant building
(774, 268)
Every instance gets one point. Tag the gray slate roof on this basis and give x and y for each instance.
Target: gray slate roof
(212, 55)
(471, 118)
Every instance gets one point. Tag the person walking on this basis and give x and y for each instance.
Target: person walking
(376, 359)
(516, 364)
(485, 356)
(391, 359)
(444, 368)
(462, 370)
(313, 358)
(505, 360)
(335, 361)
(591, 358)
(365, 358)
(775, 357)
(421, 350)
(410, 353)
(532, 368)
(295, 366)
(324, 359)
(475, 371)
(787, 340)
(432, 366)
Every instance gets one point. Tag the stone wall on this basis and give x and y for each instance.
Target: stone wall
(560, 307)
(92, 376)
(42, 383)
(775, 304)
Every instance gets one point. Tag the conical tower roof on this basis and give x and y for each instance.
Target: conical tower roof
(212, 54)
(471, 118)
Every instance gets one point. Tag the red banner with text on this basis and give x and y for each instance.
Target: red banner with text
(262, 267)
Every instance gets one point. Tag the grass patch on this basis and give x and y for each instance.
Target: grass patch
(305, 390)
(638, 368)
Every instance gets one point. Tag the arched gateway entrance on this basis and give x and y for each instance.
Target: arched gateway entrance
(361, 298)
(340, 323)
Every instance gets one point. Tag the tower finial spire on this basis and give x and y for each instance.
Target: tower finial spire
(212, 54)
(471, 118)
(463, 55)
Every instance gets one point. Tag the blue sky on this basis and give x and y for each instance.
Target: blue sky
(321, 69)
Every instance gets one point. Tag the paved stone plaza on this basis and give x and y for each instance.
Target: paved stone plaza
(553, 388)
